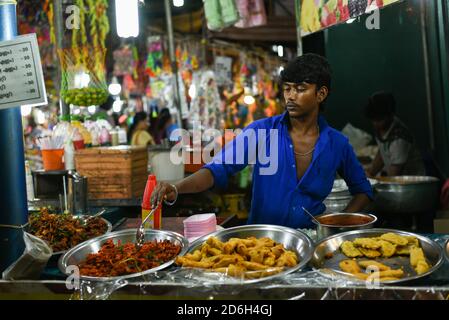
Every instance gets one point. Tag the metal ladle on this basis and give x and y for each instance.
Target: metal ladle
(140, 234)
(311, 215)
(86, 219)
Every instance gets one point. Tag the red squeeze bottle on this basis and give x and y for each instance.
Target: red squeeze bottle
(155, 221)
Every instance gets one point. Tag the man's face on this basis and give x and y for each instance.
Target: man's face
(302, 99)
(382, 125)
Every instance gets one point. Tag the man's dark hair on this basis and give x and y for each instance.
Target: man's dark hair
(381, 105)
(310, 68)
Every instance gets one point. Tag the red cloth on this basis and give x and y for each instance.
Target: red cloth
(444, 199)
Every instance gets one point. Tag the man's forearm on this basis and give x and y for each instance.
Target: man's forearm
(358, 203)
(200, 181)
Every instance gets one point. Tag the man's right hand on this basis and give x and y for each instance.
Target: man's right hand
(163, 191)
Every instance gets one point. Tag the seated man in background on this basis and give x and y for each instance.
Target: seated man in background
(398, 154)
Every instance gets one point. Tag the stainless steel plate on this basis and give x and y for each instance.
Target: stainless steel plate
(332, 244)
(79, 253)
(292, 239)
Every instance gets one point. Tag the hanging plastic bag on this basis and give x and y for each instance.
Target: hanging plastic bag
(83, 76)
(32, 262)
(252, 13)
(212, 11)
(229, 12)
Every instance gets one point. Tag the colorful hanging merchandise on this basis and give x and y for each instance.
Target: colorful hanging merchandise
(123, 61)
(220, 13)
(206, 105)
(252, 13)
(155, 59)
(83, 66)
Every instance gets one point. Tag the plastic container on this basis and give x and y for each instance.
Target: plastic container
(52, 159)
(69, 156)
(155, 221)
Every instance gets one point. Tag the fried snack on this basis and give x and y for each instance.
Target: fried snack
(250, 258)
(418, 260)
(349, 250)
(287, 259)
(350, 266)
(372, 263)
(215, 243)
(398, 273)
(387, 248)
(394, 238)
(196, 256)
(370, 253)
(412, 241)
(367, 243)
(422, 267)
(416, 254)
(403, 250)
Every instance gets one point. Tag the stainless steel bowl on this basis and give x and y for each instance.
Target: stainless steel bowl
(340, 196)
(292, 239)
(79, 253)
(321, 260)
(406, 194)
(326, 230)
(446, 250)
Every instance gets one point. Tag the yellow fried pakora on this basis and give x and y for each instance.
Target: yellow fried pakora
(370, 253)
(394, 238)
(349, 250)
(350, 266)
(367, 243)
(387, 248)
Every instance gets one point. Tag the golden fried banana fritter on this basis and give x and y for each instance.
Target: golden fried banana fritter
(367, 243)
(350, 266)
(348, 249)
(412, 241)
(371, 263)
(394, 238)
(416, 254)
(422, 267)
(370, 253)
(403, 250)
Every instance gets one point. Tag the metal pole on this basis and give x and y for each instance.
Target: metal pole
(171, 47)
(59, 35)
(13, 201)
(298, 26)
(427, 76)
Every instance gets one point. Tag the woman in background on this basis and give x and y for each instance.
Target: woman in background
(138, 132)
(165, 126)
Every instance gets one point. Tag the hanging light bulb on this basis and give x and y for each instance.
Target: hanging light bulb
(178, 3)
(115, 88)
(127, 15)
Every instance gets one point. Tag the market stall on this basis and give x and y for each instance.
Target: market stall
(89, 180)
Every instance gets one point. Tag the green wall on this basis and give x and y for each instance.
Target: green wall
(391, 58)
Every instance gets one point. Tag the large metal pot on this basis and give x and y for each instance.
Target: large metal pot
(340, 196)
(406, 194)
(334, 223)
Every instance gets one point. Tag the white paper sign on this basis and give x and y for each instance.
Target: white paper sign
(21, 77)
(223, 70)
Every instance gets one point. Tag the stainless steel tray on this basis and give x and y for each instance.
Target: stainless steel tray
(292, 239)
(432, 251)
(79, 253)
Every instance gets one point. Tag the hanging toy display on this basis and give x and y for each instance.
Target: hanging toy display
(154, 64)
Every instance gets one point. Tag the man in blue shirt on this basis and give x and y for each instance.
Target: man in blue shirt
(296, 155)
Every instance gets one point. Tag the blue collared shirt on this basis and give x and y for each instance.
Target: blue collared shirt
(278, 195)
